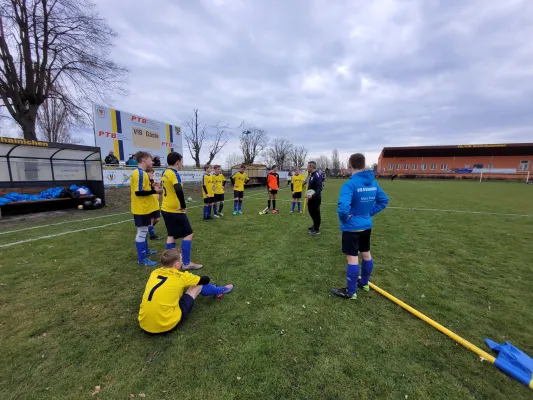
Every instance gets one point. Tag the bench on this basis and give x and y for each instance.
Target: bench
(31, 206)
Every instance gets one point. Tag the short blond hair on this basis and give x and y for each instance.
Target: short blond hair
(170, 257)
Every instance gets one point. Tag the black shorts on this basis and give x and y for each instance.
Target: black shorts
(355, 242)
(142, 220)
(156, 214)
(273, 192)
(219, 197)
(297, 195)
(186, 304)
(208, 200)
(178, 225)
(238, 194)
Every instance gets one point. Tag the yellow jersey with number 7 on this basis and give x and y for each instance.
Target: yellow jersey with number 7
(160, 310)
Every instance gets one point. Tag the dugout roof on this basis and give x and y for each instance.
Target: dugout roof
(469, 150)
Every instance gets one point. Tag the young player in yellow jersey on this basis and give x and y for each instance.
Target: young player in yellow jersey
(239, 179)
(174, 210)
(208, 193)
(220, 183)
(142, 206)
(297, 184)
(156, 213)
(164, 304)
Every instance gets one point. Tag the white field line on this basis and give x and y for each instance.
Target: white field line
(82, 220)
(69, 232)
(438, 210)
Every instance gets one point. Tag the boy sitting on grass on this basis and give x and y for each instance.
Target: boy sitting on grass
(164, 305)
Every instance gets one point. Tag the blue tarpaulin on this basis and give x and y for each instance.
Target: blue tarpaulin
(513, 362)
(14, 197)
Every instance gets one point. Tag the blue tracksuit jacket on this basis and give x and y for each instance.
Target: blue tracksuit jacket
(360, 199)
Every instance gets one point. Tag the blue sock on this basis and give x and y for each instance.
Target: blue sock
(367, 267)
(209, 210)
(299, 206)
(211, 290)
(240, 205)
(171, 246)
(141, 251)
(235, 205)
(352, 273)
(186, 246)
(293, 204)
(151, 230)
(215, 212)
(146, 244)
(205, 211)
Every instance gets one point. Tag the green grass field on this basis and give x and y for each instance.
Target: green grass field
(69, 303)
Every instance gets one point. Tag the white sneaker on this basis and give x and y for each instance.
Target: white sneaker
(216, 216)
(220, 214)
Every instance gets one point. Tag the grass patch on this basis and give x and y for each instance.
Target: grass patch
(68, 305)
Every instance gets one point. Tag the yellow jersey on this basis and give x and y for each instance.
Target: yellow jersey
(219, 182)
(239, 178)
(207, 182)
(139, 181)
(170, 202)
(297, 183)
(160, 311)
(155, 201)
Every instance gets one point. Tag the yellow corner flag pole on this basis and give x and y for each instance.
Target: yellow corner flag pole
(436, 325)
(306, 189)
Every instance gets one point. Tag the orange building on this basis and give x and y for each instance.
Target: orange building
(496, 160)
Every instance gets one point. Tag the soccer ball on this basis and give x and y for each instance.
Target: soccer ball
(189, 199)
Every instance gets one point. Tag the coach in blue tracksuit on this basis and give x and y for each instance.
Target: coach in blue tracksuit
(361, 198)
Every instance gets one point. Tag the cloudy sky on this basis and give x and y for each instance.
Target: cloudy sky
(356, 74)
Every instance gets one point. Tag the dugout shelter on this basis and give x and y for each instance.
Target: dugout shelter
(32, 166)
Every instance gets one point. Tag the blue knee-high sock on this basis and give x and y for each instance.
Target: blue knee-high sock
(221, 207)
(235, 205)
(211, 290)
(299, 206)
(366, 266)
(293, 205)
(215, 211)
(170, 246)
(151, 230)
(141, 251)
(205, 211)
(240, 205)
(146, 244)
(352, 273)
(186, 246)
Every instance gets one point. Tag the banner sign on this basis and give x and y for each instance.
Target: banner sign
(120, 176)
(126, 134)
(494, 171)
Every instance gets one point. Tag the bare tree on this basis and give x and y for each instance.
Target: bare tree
(55, 122)
(266, 158)
(195, 136)
(280, 152)
(335, 161)
(253, 142)
(219, 138)
(233, 159)
(298, 156)
(51, 44)
(322, 163)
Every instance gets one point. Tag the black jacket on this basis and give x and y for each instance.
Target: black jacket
(111, 160)
(315, 183)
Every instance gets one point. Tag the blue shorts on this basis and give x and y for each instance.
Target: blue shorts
(219, 197)
(186, 304)
(238, 194)
(142, 220)
(156, 214)
(178, 225)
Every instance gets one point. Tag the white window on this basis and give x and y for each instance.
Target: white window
(478, 166)
(406, 166)
(390, 167)
(433, 167)
(524, 165)
(398, 166)
(444, 167)
(490, 166)
(467, 166)
(415, 167)
(423, 167)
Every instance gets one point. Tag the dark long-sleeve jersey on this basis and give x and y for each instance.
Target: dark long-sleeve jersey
(315, 183)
